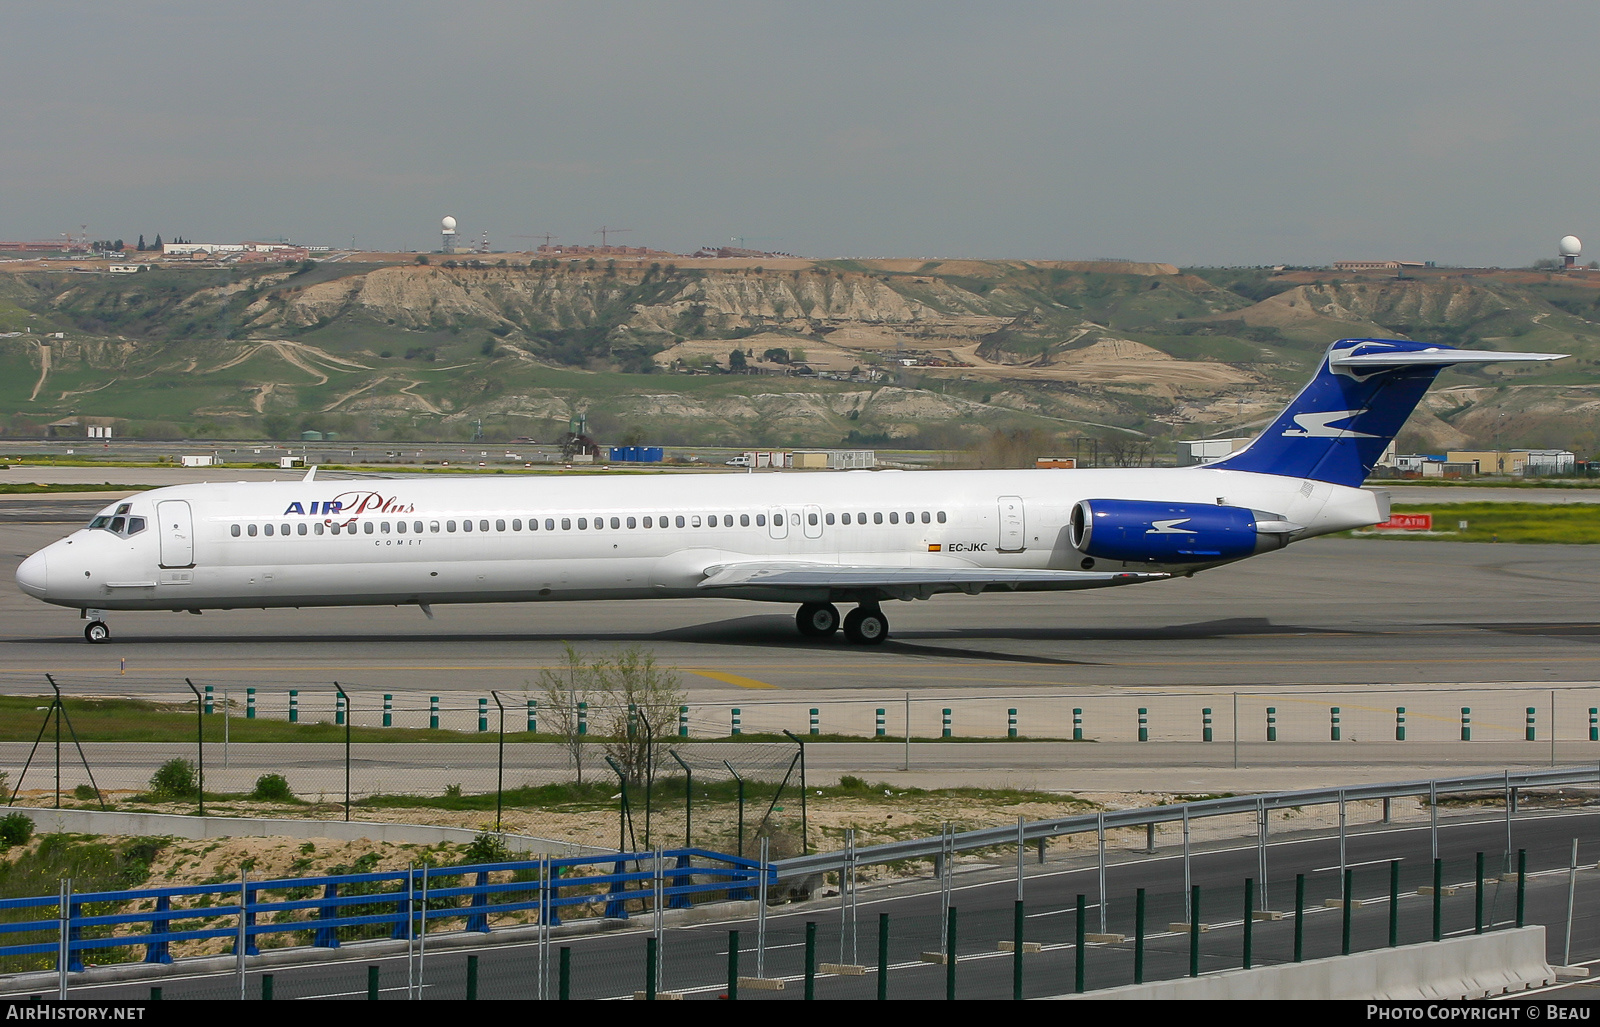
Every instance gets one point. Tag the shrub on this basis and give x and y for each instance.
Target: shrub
(488, 848)
(272, 788)
(175, 780)
(15, 829)
(85, 792)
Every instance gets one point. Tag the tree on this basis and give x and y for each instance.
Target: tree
(776, 356)
(564, 689)
(736, 361)
(141, 242)
(641, 709)
(157, 244)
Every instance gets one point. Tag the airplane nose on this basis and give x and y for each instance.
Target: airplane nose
(33, 575)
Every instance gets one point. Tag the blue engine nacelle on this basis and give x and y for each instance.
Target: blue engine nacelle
(1135, 531)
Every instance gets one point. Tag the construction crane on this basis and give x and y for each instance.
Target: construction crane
(605, 230)
(546, 236)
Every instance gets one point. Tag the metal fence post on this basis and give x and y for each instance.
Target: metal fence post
(1528, 730)
(564, 975)
(733, 966)
(266, 987)
(1299, 917)
(811, 960)
(1011, 723)
(1594, 724)
(814, 724)
(878, 729)
(944, 724)
(433, 712)
(1144, 724)
(649, 969)
(1249, 918)
(1205, 724)
(735, 725)
(294, 706)
(1077, 724)
(1438, 899)
(483, 715)
(683, 722)
(1333, 725)
(1394, 903)
(1272, 723)
(761, 913)
(1347, 906)
(1477, 897)
(583, 718)
(472, 978)
(249, 704)
(883, 957)
(1194, 931)
(533, 716)
(372, 983)
(1522, 886)
(1138, 936)
(1399, 723)
(1466, 723)
(1078, 948)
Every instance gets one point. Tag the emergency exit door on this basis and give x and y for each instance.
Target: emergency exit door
(177, 533)
(1013, 525)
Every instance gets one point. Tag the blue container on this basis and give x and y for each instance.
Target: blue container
(651, 454)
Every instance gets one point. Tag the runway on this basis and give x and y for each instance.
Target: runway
(1324, 612)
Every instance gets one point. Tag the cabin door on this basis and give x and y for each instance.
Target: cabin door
(177, 533)
(1013, 525)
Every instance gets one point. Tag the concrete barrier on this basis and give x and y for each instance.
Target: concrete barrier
(83, 821)
(1470, 967)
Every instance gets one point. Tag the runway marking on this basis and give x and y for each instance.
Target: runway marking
(731, 679)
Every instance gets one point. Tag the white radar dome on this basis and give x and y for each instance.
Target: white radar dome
(1570, 246)
(449, 224)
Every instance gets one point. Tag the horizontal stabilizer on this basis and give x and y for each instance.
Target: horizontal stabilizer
(1436, 358)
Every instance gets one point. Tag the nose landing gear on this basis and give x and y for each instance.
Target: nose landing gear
(96, 632)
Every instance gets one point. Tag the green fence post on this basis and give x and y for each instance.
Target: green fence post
(1144, 724)
(472, 978)
(583, 718)
(433, 712)
(294, 706)
(1348, 904)
(1528, 732)
(1477, 904)
(1333, 726)
(1522, 885)
(877, 727)
(650, 969)
(683, 722)
(249, 704)
(1205, 724)
(1594, 724)
(815, 723)
(950, 954)
(338, 709)
(1017, 919)
(266, 987)
(564, 975)
(1399, 723)
(883, 957)
(735, 720)
(372, 984)
(1299, 917)
(388, 710)
(1466, 723)
(1394, 903)
(1077, 724)
(1272, 723)
(811, 960)
(733, 966)
(483, 713)
(155, 994)
(1438, 899)
(1194, 931)
(944, 724)
(1078, 949)
(210, 701)
(1011, 723)
(1138, 936)
(1249, 917)
(533, 716)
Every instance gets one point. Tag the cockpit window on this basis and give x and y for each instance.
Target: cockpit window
(118, 523)
(99, 522)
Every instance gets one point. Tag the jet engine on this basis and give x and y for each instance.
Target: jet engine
(1138, 531)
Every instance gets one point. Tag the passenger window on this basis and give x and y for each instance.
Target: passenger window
(300, 529)
(911, 517)
(894, 517)
(251, 531)
(844, 518)
(265, 528)
(466, 525)
(385, 527)
(794, 518)
(484, 525)
(332, 527)
(400, 526)
(761, 520)
(367, 527)
(516, 524)
(550, 524)
(680, 520)
(433, 526)
(284, 530)
(712, 520)
(811, 518)
(829, 518)
(877, 518)
(449, 525)
(649, 522)
(566, 524)
(694, 520)
(744, 520)
(583, 523)
(925, 517)
(632, 523)
(317, 527)
(499, 525)
(941, 516)
(234, 531)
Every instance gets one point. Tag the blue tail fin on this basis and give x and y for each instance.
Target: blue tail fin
(1341, 422)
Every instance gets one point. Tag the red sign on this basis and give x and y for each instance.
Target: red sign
(1407, 522)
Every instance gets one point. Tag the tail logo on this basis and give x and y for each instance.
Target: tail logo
(1319, 425)
(1170, 527)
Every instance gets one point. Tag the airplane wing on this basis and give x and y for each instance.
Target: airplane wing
(905, 582)
(1436, 357)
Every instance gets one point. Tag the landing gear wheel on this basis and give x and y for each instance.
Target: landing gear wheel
(866, 625)
(97, 632)
(817, 620)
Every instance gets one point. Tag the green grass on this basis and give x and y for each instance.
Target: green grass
(34, 489)
(1533, 523)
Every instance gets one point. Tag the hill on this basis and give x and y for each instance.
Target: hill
(923, 353)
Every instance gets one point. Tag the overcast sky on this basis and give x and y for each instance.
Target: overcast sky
(1209, 133)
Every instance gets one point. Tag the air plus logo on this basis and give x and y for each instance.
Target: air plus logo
(353, 504)
(1319, 425)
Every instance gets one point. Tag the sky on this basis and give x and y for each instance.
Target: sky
(1213, 133)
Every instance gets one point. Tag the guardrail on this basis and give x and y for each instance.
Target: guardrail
(402, 902)
(926, 848)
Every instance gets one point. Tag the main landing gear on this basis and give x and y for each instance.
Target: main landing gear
(865, 625)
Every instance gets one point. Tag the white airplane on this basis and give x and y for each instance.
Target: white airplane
(815, 540)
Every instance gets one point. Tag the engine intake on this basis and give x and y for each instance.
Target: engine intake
(1137, 531)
